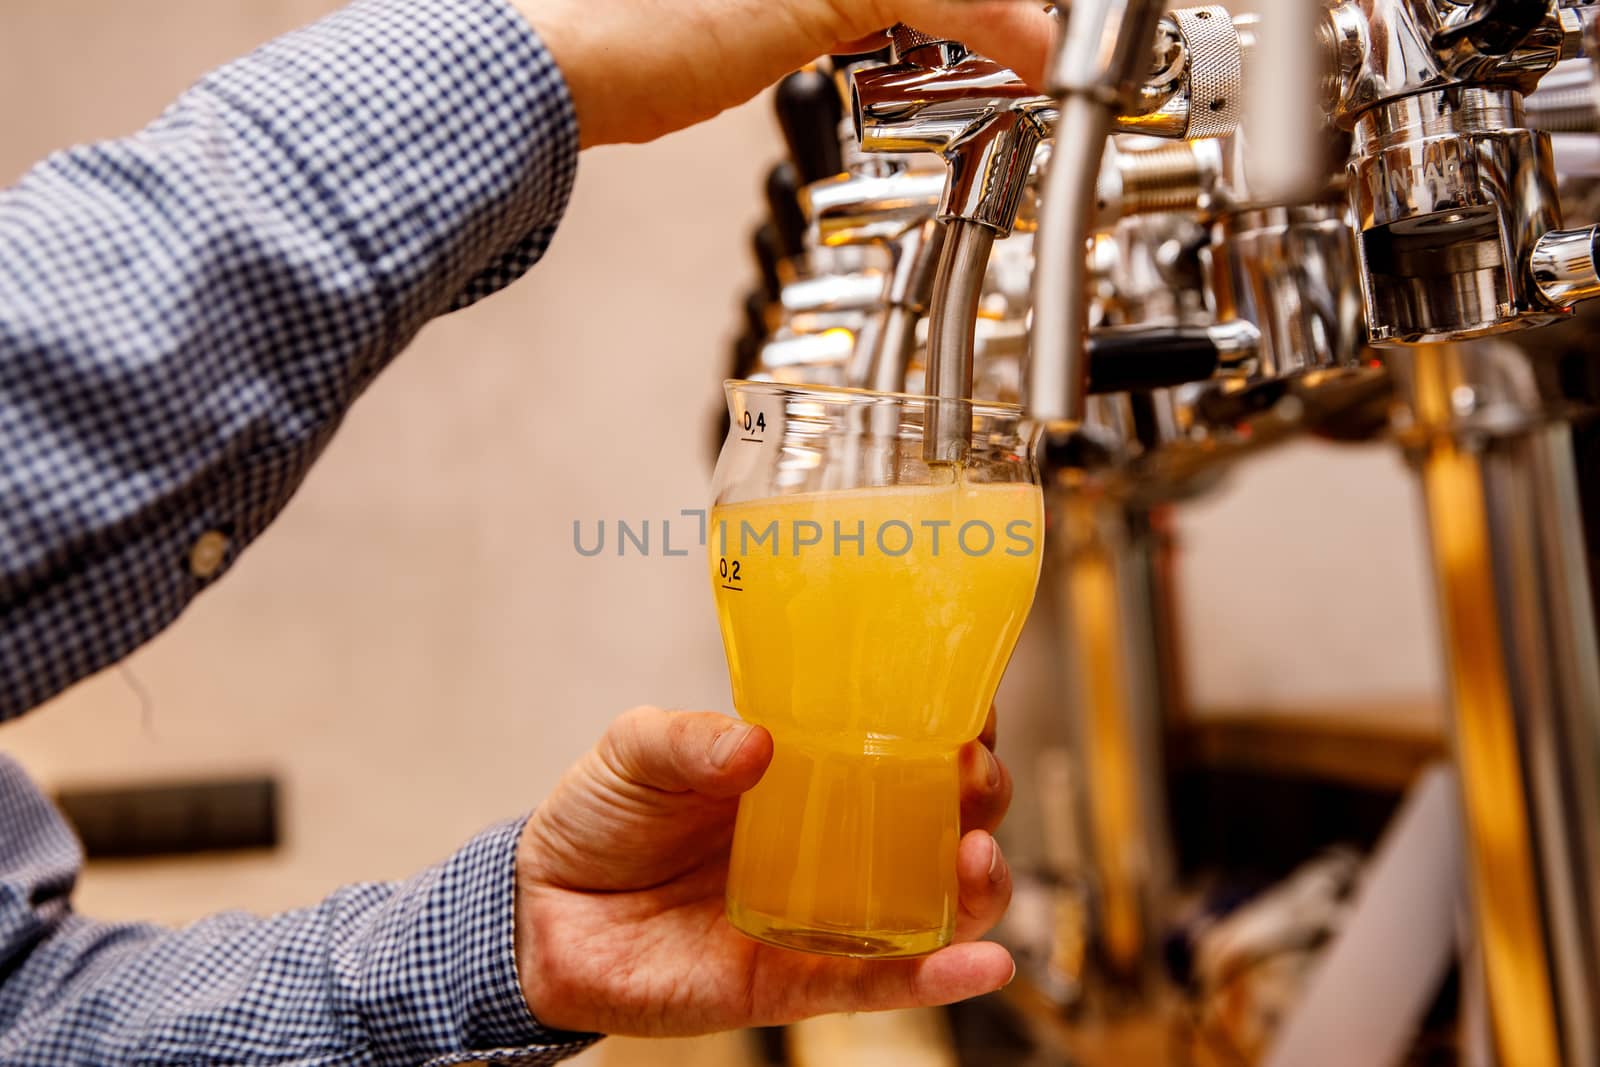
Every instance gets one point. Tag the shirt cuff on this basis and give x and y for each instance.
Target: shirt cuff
(465, 934)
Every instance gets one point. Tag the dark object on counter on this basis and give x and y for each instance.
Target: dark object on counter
(176, 818)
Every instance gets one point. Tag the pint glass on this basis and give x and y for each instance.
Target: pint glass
(869, 601)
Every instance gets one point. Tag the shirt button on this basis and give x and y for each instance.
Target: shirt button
(207, 554)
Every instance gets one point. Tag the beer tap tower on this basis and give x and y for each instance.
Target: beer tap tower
(1458, 232)
(1377, 296)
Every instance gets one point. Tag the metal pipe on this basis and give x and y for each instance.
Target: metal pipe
(911, 293)
(1058, 365)
(951, 325)
(1121, 683)
(863, 209)
(1098, 73)
(895, 214)
(986, 124)
(894, 341)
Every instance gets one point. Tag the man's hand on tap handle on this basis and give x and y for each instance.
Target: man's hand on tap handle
(638, 69)
(620, 876)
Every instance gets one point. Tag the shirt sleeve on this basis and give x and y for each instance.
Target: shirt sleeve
(420, 972)
(187, 314)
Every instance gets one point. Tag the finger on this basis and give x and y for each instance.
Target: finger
(952, 974)
(984, 880)
(985, 788)
(687, 751)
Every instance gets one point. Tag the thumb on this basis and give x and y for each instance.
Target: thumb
(686, 751)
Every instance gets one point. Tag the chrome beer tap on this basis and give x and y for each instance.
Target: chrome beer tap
(820, 307)
(1121, 66)
(1460, 235)
(1118, 64)
(895, 212)
(823, 278)
(1458, 221)
(986, 124)
(816, 302)
(1214, 316)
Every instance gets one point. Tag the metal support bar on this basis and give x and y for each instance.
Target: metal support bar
(1520, 646)
(1120, 678)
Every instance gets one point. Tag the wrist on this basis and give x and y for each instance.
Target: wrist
(541, 957)
(595, 58)
(633, 79)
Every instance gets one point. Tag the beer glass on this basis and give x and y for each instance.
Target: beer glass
(869, 601)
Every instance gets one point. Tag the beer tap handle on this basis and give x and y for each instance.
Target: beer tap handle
(809, 111)
(1125, 359)
(755, 315)
(783, 202)
(768, 249)
(746, 356)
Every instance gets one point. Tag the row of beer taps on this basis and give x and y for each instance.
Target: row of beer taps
(1209, 232)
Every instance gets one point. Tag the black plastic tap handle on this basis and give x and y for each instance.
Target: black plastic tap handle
(768, 250)
(1134, 359)
(755, 315)
(783, 201)
(1495, 27)
(809, 110)
(746, 356)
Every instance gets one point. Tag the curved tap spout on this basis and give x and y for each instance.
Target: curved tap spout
(861, 209)
(979, 116)
(986, 124)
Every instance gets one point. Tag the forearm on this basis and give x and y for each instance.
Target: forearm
(186, 314)
(417, 972)
(639, 70)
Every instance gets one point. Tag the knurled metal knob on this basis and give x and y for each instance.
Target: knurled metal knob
(909, 39)
(1216, 70)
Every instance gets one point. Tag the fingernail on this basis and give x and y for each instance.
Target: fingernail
(991, 768)
(997, 863)
(1013, 977)
(727, 744)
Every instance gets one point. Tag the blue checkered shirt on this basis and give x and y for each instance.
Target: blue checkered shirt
(185, 317)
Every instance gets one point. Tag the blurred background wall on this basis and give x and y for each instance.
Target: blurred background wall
(416, 649)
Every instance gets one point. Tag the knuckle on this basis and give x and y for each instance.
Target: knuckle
(680, 729)
(619, 746)
(639, 713)
(630, 723)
